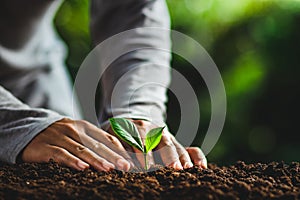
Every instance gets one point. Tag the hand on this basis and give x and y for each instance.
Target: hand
(171, 152)
(77, 144)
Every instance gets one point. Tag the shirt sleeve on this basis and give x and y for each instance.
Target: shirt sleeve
(19, 124)
(135, 84)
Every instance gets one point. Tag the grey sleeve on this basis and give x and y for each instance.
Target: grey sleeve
(135, 84)
(19, 124)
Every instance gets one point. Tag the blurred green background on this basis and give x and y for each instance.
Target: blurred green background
(255, 44)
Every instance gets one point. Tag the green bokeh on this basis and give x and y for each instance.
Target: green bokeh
(256, 46)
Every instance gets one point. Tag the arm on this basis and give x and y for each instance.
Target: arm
(140, 68)
(19, 124)
(38, 135)
(34, 74)
(134, 86)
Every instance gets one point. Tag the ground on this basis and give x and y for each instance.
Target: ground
(239, 181)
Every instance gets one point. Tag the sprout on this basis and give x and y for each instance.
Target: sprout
(127, 131)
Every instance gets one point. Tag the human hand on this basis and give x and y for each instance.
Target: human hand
(77, 144)
(171, 152)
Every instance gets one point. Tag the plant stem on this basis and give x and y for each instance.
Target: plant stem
(145, 159)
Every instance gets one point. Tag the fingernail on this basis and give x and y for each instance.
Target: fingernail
(201, 164)
(204, 165)
(187, 165)
(108, 166)
(82, 165)
(177, 165)
(123, 164)
(100, 166)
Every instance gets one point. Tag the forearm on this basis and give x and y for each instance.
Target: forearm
(19, 124)
(134, 85)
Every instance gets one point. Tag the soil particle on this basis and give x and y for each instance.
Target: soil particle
(240, 181)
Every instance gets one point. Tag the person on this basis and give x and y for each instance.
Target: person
(36, 122)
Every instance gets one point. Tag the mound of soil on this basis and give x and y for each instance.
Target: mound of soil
(239, 181)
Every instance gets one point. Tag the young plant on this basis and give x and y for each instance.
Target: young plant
(128, 132)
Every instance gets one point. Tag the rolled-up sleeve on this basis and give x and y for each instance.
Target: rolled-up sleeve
(135, 84)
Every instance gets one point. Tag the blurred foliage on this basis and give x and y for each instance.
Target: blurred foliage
(256, 46)
(72, 22)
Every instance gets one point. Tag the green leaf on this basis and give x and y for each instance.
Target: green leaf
(153, 138)
(127, 131)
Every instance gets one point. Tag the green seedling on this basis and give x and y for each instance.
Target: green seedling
(128, 132)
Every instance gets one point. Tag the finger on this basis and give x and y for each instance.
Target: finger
(168, 152)
(110, 155)
(63, 157)
(46, 152)
(77, 149)
(84, 153)
(110, 141)
(103, 151)
(132, 159)
(96, 146)
(183, 154)
(197, 156)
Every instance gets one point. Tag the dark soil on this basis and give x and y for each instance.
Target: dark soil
(240, 181)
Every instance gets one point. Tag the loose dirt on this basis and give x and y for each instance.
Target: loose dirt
(239, 181)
